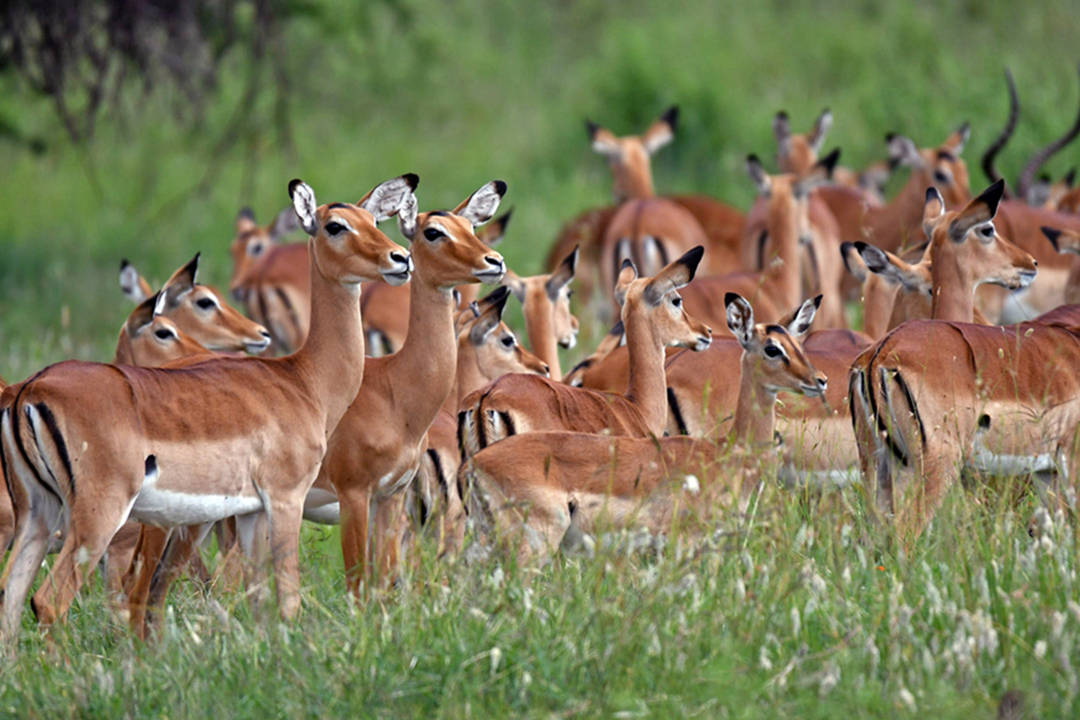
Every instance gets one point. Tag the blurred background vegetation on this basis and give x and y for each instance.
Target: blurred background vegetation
(215, 105)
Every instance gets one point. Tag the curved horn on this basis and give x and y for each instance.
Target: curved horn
(1006, 132)
(1037, 160)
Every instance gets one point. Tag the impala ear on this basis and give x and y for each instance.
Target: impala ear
(285, 223)
(159, 302)
(493, 233)
(142, 315)
(245, 220)
(740, 318)
(491, 310)
(661, 132)
(803, 316)
(816, 136)
(515, 284)
(1052, 234)
(130, 284)
(781, 128)
(980, 210)
(303, 198)
(562, 275)
(391, 198)
(627, 275)
(479, 207)
(758, 175)
(933, 209)
(902, 151)
(181, 283)
(914, 278)
(853, 261)
(819, 174)
(959, 137)
(603, 140)
(674, 276)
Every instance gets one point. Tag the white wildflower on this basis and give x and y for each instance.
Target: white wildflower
(1057, 624)
(691, 484)
(740, 590)
(763, 659)
(1040, 650)
(796, 622)
(906, 698)
(830, 678)
(496, 657)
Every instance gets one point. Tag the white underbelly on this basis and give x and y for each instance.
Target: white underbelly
(168, 508)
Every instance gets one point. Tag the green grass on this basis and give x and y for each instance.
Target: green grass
(464, 94)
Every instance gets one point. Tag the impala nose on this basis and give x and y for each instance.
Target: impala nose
(822, 383)
(495, 261)
(399, 257)
(546, 369)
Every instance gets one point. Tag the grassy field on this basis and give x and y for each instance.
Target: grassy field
(802, 614)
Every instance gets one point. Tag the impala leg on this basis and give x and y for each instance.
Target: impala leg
(389, 529)
(252, 533)
(177, 552)
(229, 572)
(923, 488)
(285, 524)
(7, 520)
(355, 505)
(152, 543)
(31, 545)
(89, 533)
(119, 557)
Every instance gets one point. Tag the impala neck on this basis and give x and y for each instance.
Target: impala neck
(540, 326)
(423, 369)
(784, 231)
(632, 180)
(647, 387)
(755, 410)
(897, 223)
(954, 296)
(332, 357)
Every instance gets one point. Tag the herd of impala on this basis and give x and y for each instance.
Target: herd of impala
(968, 362)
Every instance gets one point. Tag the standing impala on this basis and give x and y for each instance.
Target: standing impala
(227, 436)
(654, 318)
(371, 463)
(541, 483)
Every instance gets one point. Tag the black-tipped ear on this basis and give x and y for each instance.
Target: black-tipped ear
(500, 187)
(124, 263)
(591, 129)
(889, 136)
(497, 298)
(781, 126)
(671, 117)
(191, 270)
(628, 263)
(1052, 235)
(691, 259)
(984, 422)
(413, 180)
(730, 297)
(829, 161)
(1070, 177)
(246, 213)
(992, 196)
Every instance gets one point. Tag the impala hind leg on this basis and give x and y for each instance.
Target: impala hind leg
(152, 541)
(119, 557)
(179, 551)
(90, 530)
(31, 544)
(253, 533)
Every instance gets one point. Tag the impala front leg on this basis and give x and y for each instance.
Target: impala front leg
(355, 505)
(286, 518)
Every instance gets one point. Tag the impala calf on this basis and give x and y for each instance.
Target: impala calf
(227, 436)
(529, 489)
(654, 318)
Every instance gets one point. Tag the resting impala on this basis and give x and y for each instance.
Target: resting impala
(542, 483)
(654, 318)
(615, 338)
(227, 436)
(915, 411)
(370, 463)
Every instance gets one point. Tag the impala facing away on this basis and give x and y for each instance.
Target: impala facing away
(224, 437)
(531, 488)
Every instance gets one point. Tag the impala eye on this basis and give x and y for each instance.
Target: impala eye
(772, 351)
(987, 231)
(508, 341)
(205, 303)
(164, 334)
(433, 234)
(256, 250)
(333, 228)
(676, 301)
(940, 176)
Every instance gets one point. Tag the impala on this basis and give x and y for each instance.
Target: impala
(368, 463)
(1067, 241)
(614, 338)
(542, 483)
(228, 436)
(654, 318)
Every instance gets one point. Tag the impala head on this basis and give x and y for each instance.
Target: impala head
(940, 166)
(132, 284)
(629, 155)
(798, 153)
(773, 354)
(913, 277)
(966, 242)
(491, 345)
(790, 192)
(202, 313)
(614, 338)
(551, 290)
(1063, 240)
(251, 243)
(347, 246)
(445, 244)
(150, 340)
(656, 300)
